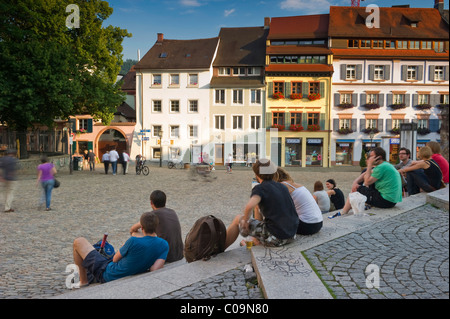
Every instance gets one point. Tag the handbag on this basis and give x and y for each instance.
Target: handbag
(57, 183)
(442, 180)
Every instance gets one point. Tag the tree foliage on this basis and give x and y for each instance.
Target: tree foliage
(52, 71)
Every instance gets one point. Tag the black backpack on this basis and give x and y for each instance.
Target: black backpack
(205, 239)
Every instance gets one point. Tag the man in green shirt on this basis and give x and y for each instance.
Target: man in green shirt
(380, 183)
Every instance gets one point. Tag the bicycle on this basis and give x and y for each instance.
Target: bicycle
(141, 168)
(175, 163)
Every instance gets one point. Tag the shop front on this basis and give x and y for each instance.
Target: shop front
(344, 152)
(394, 147)
(293, 151)
(314, 152)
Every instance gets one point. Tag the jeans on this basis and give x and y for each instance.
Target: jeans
(114, 167)
(47, 186)
(417, 180)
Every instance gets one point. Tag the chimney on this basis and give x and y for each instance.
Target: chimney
(439, 5)
(266, 23)
(160, 37)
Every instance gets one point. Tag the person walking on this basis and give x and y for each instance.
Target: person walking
(113, 157)
(105, 160)
(9, 165)
(125, 160)
(46, 173)
(91, 160)
(229, 163)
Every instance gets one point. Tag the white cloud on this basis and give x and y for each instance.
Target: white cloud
(228, 12)
(304, 4)
(190, 3)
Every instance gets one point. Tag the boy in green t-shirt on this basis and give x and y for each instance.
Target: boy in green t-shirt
(380, 183)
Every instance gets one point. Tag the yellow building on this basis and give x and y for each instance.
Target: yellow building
(298, 93)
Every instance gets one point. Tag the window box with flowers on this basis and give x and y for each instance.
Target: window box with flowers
(423, 106)
(443, 105)
(372, 106)
(345, 105)
(370, 130)
(314, 96)
(80, 131)
(295, 96)
(423, 131)
(398, 106)
(314, 127)
(296, 127)
(279, 127)
(278, 96)
(395, 131)
(345, 130)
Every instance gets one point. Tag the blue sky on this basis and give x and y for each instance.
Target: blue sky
(196, 19)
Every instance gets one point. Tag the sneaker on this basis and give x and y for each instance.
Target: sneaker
(335, 215)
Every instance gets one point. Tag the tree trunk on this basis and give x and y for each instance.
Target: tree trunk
(444, 132)
(22, 144)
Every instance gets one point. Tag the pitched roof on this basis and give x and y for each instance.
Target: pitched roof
(390, 53)
(179, 54)
(394, 23)
(299, 27)
(241, 47)
(129, 80)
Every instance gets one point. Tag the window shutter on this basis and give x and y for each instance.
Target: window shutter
(322, 121)
(322, 89)
(354, 125)
(90, 125)
(268, 119)
(305, 89)
(434, 125)
(380, 125)
(343, 71)
(287, 89)
(337, 99)
(431, 72)
(362, 99)
(446, 73)
(419, 72)
(415, 99)
(354, 99)
(359, 71)
(362, 124)
(408, 100)
(287, 119)
(73, 124)
(389, 99)
(435, 99)
(270, 89)
(336, 125)
(404, 75)
(371, 71)
(388, 125)
(387, 72)
(305, 120)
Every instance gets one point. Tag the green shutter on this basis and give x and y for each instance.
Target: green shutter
(90, 123)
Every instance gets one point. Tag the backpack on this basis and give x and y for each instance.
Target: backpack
(205, 239)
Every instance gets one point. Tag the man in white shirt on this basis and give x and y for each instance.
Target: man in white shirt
(113, 157)
(126, 159)
(105, 160)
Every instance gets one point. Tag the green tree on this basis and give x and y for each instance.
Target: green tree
(50, 70)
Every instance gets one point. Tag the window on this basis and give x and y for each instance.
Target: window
(389, 44)
(156, 130)
(422, 123)
(345, 123)
(193, 106)
(157, 107)
(174, 131)
(193, 79)
(255, 122)
(296, 87)
(439, 46)
(314, 87)
(350, 72)
(411, 72)
(378, 72)
(365, 43)
(237, 96)
(313, 118)
(238, 71)
(378, 43)
(278, 118)
(296, 118)
(237, 122)
(255, 96)
(424, 99)
(402, 44)
(83, 124)
(439, 73)
(174, 79)
(220, 96)
(175, 106)
(371, 123)
(156, 79)
(278, 87)
(414, 45)
(353, 43)
(396, 123)
(193, 131)
(426, 45)
(253, 71)
(443, 99)
(345, 98)
(372, 98)
(398, 98)
(219, 122)
(224, 71)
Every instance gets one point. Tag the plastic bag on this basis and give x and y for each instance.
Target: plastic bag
(358, 202)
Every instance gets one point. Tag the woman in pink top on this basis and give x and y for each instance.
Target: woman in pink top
(46, 172)
(439, 159)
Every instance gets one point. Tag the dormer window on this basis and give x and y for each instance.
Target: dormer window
(413, 24)
(163, 55)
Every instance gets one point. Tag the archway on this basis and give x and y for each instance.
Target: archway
(110, 138)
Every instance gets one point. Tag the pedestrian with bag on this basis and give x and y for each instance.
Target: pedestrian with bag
(46, 177)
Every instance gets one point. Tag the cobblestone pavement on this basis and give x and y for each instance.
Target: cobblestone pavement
(411, 252)
(36, 246)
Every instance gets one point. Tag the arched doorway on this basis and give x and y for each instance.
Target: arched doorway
(111, 138)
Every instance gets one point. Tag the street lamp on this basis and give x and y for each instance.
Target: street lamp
(160, 134)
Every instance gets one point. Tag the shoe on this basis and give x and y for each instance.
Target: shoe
(48, 209)
(9, 211)
(335, 215)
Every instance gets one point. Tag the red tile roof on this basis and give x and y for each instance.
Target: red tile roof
(395, 23)
(299, 27)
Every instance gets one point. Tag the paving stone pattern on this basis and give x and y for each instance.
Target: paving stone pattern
(411, 252)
